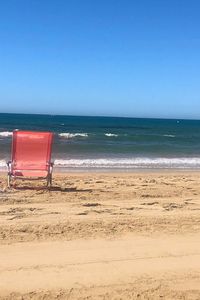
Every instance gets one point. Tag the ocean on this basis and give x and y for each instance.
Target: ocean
(97, 143)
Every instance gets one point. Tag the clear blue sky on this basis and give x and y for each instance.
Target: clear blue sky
(138, 58)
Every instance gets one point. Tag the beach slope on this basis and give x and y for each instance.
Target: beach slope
(101, 236)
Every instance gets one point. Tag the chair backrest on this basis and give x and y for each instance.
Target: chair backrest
(31, 150)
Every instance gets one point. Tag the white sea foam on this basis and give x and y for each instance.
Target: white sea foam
(5, 133)
(126, 163)
(169, 135)
(131, 163)
(68, 135)
(110, 134)
(3, 164)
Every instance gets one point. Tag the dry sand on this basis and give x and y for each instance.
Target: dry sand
(101, 236)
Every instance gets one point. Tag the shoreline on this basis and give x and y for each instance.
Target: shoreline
(58, 170)
(122, 170)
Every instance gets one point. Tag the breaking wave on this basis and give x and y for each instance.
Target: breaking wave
(68, 135)
(169, 135)
(3, 164)
(111, 134)
(5, 133)
(125, 163)
(131, 163)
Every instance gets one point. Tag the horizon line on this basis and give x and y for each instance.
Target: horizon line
(99, 116)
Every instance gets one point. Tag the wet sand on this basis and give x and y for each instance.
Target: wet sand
(101, 236)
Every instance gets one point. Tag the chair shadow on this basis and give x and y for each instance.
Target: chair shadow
(51, 189)
(59, 189)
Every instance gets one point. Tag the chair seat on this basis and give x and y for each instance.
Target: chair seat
(29, 173)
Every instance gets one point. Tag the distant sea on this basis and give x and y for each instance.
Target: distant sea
(109, 142)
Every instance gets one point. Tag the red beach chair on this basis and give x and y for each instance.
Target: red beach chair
(31, 156)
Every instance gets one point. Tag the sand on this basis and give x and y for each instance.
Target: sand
(101, 236)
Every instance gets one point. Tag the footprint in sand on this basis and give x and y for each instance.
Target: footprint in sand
(91, 204)
(150, 203)
(84, 213)
(172, 206)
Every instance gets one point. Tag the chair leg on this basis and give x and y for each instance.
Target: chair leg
(8, 180)
(49, 180)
